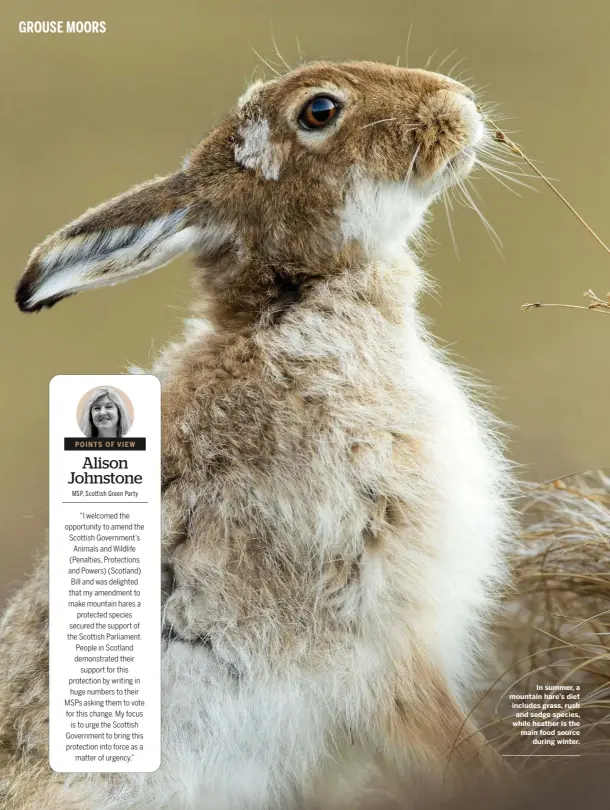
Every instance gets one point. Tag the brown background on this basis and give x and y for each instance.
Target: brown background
(86, 116)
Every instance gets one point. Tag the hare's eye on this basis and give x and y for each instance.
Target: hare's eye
(318, 112)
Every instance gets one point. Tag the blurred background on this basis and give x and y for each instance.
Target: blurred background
(86, 116)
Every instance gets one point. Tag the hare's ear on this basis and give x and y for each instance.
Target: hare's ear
(130, 235)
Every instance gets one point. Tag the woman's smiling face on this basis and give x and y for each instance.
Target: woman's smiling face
(104, 413)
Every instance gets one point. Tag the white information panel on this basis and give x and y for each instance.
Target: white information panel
(104, 573)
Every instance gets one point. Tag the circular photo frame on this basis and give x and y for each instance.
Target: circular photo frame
(105, 412)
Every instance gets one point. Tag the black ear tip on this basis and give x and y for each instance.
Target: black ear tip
(23, 297)
(50, 302)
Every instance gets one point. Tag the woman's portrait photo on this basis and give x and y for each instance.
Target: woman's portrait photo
(105, 413)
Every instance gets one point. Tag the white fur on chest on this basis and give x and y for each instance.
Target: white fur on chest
(257, 746)
(258, 743)
(469, 524)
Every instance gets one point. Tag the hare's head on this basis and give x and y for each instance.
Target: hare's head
(326, 165)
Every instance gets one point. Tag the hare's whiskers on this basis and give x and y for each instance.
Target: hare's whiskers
(277, 50)
(430, 58)
(502, 138)
(498, 175)
(463, 76)
(405, 184)
(380, 121)
(442, 62)
(447, 204)
(474, 188)
(265, 62)
(299, 49)
(407, 45)
(454, 66)
(470, 203)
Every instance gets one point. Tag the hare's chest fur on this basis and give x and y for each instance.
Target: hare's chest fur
(347, 507)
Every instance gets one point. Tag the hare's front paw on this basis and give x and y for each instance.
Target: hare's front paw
(183, 615)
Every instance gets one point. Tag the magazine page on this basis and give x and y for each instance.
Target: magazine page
(303, 437)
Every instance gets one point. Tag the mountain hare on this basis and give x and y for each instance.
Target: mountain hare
(334, 504)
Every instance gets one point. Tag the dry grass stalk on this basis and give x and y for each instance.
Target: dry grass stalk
(556, 625)
(595, 303)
